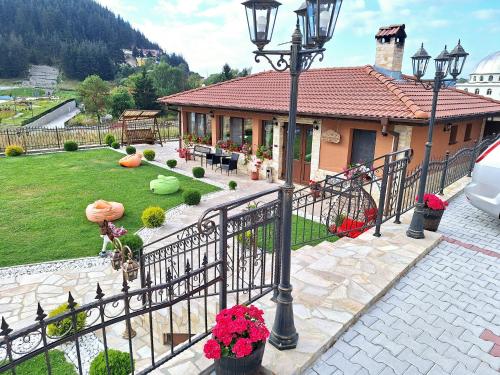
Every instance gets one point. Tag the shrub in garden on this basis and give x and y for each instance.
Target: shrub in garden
(14, 150)
(115, 145)
(133, 241)
(232, 185)
(119, 363)
(64, 326)
(153, 217)
(70, 146)
(192, 197)
(149, 155)
(198, 172)
(109, 139)
(172, 163)
(130, 150)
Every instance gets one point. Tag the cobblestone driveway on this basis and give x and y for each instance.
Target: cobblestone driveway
(443, 317)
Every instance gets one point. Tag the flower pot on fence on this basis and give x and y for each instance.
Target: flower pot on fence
(315, 193)
(241, 366)
(432, 218)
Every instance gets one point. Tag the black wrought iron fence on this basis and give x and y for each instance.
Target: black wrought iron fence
(44, 139)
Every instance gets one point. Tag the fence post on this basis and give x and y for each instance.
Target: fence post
(445, 171)
(381, 201)
(277, 248)
(57, 136)
(8, 137)
(473, 159)
(402, 187)
(99, 134)
(142, 273)
(223, 257)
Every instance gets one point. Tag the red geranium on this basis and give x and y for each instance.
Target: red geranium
(237, 332)
(433, 202)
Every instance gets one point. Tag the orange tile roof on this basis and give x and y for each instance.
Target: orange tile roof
(393, 30)
(359, 92)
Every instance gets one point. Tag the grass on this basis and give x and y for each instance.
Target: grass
(44, 198)
(38, 365)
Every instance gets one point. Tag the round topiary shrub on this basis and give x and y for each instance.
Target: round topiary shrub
(115, 145)
(192, 197)
(198, 172)
(172, 163)
(64, 327)
(109, 139)
(130, 150)
(118, 362)
(14, 150)
(70, 146)
(133, 241)
(153, 217)
(149, 155)
(232, 185)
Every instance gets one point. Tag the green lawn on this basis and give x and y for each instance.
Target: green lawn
(38, 365)
(43, 200)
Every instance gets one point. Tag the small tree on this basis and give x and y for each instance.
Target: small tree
(144, 93)
(120, 100)
(94, 93)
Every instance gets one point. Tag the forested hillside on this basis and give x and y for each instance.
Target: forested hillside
(80, 36)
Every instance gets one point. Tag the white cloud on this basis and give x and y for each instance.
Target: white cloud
(486, 14)
(118, 6)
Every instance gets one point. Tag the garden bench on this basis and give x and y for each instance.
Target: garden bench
(201, 151)
(135, 136)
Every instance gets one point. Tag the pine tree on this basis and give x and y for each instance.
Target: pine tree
(144, 93)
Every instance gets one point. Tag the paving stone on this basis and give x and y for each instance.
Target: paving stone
(343, 364)
(365, 360)
(361, 343)
(388, 359)
(423, 365)
(447, 364)
(484, 369)
(390, 345)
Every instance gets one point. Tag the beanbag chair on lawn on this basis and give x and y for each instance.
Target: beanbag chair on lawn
(164, 185)
(131, 161)
(101, 210)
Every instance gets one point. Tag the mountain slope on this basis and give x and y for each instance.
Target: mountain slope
(80, 36)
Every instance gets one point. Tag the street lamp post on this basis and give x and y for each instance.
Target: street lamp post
(317, 19)
(446, 62)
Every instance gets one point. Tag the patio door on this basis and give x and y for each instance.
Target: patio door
(302, 151)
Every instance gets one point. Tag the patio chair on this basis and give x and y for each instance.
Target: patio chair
(230, 164)
(214, 159)
(201, 151)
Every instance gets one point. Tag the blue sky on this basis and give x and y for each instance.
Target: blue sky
(210, 33)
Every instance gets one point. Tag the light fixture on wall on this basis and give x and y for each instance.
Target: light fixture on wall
(316, 125)
(275, 121)
(446, 128)
(211, 114)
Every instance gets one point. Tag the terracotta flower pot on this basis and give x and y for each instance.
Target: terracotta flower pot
(432, 218)
(254, 175)
(241, 366)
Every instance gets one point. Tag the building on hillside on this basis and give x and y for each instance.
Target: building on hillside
(485, 80)
(345, 115)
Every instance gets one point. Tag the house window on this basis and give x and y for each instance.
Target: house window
(474, 78)
(468, 131)
(481, 78)
(490, 78)
(476, 91)
(236, 130)
(453, 135)
(488, 92)
(198, 125)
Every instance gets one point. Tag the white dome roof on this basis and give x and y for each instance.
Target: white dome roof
(490, 64)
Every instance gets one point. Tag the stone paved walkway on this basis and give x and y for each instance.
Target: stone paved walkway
(443, 317)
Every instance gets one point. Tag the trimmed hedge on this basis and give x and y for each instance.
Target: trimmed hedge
(115, 145)
(70, 146)
(14, 150)
(198, 172)
(149, 155)
(65, 327)
(119, 363)
(109, 139)
(192, 197)
(232, 185)
(131, 150)
(153, 217)
(172, 163)
(133, 241)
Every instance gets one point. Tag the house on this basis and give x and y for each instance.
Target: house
(345, 115)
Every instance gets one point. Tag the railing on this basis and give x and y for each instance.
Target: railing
(44, 139)
(231, 255)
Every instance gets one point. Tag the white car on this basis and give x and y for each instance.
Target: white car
(483, 191)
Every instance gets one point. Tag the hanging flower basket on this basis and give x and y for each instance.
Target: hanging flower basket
(238, 341)
(433, 211)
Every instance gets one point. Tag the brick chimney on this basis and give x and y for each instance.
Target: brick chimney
(390, 49)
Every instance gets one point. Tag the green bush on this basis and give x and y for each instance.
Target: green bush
(14, 150)
(119, 363)
(70, 146)
(65, 327)
(172, 163)
(109, 139)
(37, 365)
(153, 217)
(130, 150)
(192, 197)
(149, 155)
(115, 145)
(198, 172)
(232, 185)
(133, 241)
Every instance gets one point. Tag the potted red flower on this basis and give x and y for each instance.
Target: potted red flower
(315, 188)
(433, 211)
(238, 341)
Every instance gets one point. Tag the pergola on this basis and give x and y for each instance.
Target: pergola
(140, 126)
